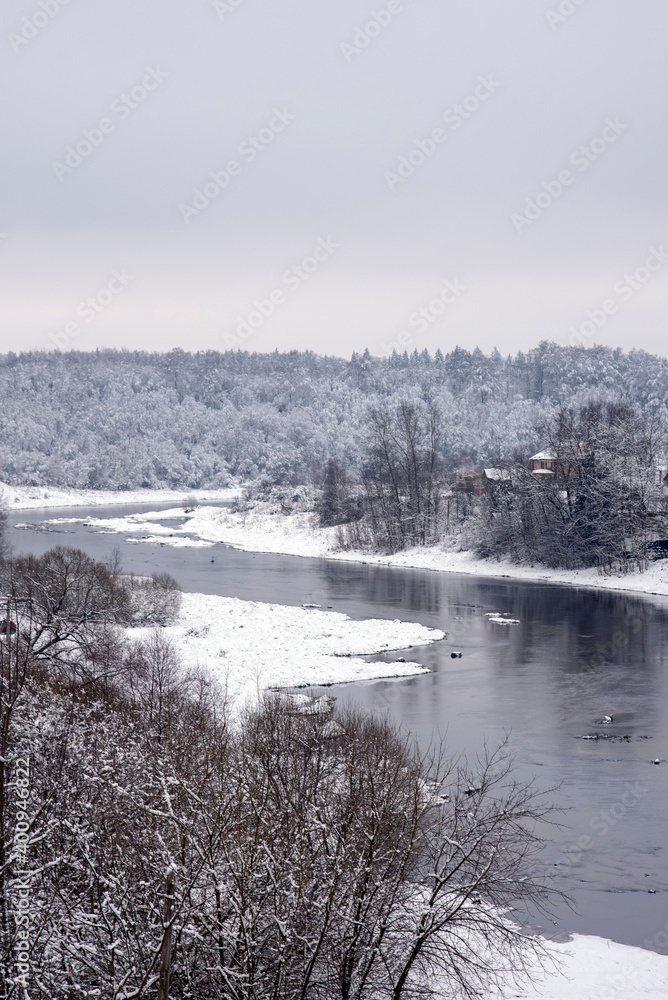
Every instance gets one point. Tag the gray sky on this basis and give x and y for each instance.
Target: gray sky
(403, 173)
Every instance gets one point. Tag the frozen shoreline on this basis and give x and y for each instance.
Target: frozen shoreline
(264, 527)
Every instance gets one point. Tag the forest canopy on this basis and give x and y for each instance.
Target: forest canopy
(125, 420)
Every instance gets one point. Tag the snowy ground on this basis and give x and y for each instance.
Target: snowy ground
(593, 968)
(265, 528)
(250, 646)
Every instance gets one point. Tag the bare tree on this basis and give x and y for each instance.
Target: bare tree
(337, 502)
(608, 473)
(5, 547)
(402, 482)
(353, 866)
(121, 788)
(71, 596)
(153, 600)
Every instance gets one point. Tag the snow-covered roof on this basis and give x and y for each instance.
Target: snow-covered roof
(543, 472)
(497, 474)
(543, 456)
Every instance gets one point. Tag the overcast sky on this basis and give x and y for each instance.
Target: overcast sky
(386, 173)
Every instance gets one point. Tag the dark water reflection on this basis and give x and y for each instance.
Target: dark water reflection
(576, 656)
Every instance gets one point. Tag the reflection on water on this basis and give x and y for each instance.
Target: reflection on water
(575, 657)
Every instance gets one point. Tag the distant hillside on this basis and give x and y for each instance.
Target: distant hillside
(118, 419)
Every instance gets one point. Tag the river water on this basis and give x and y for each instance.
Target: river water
(575, 657)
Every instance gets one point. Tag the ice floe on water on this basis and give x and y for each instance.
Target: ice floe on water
(141, 528)
(500, 619)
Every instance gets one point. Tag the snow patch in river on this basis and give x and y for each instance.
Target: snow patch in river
(143, 525)
(251, 646)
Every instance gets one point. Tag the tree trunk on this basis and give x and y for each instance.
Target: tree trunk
(166, 950)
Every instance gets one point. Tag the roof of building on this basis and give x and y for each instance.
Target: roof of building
(544, 456)
(496, 474)
(542, 472)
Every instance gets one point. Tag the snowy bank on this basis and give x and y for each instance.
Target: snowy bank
(40, 497)
(251, 646)
(593, 968)
(265, 528)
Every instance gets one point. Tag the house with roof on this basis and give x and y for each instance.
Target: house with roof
(544, 464)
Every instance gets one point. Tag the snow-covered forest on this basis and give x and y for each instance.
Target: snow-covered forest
(122, 420)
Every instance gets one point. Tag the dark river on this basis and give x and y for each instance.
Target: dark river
(576, 656)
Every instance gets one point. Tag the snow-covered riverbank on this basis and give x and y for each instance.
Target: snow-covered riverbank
(46, 497)
(249, 646)
(264, 527)
(593, 968)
